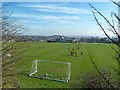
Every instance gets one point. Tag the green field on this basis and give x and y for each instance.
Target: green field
(102, 55)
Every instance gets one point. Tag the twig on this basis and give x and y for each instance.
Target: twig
(107, 81)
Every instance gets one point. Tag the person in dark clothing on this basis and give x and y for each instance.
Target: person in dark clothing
(75, 53)
(81, 53)
(71, 53)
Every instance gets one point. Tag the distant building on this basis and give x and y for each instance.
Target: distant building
(76, 40)
(61, 39)
(68, 39)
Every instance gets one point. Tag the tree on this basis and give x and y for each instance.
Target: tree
(111, 28)
(11, 52)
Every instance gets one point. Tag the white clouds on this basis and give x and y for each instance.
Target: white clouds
(47, 18)
(60, 17)
(67, 10)
(71, 14)
(27, 16)
(57, 18)
(57, 8)
(51, 6)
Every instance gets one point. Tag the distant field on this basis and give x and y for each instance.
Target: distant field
(102, 55)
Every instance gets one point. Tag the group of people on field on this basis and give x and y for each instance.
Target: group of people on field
(73, 51)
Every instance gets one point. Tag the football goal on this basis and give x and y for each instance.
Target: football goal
(51, 70)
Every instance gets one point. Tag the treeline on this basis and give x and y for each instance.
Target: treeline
(26, 38)
(97, 39)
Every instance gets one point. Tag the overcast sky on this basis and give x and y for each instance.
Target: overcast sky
(61, 18)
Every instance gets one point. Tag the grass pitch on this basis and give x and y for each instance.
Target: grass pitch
(102, 54)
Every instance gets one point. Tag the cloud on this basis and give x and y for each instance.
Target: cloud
(46, 18)
(31, 21)
(57, 8)
(60, 18)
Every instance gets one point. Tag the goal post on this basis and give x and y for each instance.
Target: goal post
(33, 68)
(51, 70)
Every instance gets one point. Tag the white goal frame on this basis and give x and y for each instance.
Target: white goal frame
(35, 67)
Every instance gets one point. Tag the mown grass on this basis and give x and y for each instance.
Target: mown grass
(102, 55)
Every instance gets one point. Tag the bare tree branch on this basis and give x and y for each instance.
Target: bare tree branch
(106, 21)
(111, 28)
(115, 3)
(104, 30)
(107, 81)
(115, 70)
(113, 48)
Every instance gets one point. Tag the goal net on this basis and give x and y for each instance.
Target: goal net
(51, 70)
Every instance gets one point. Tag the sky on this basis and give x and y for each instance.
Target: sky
(61, 18)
